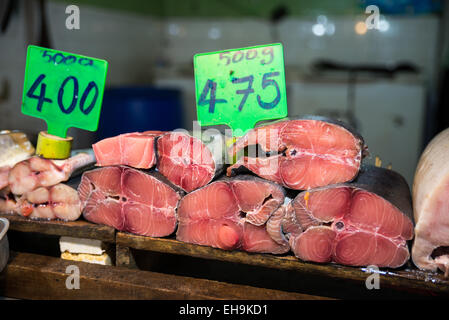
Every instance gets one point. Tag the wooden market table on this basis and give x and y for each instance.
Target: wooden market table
(164, 268)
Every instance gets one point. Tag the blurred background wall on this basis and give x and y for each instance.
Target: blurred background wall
(389, 83)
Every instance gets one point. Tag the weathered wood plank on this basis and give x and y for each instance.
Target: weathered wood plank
(30, 276)
(404, 279)
(78, 229)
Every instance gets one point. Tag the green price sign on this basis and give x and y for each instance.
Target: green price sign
(64, 89)
(240, 87)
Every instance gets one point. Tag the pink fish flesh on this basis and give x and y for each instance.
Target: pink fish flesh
(36, 172)
(135, 149)
(55, 202)
(351, 224)
(303, 153)
(188, 162)
(238, 213)
(129, 200)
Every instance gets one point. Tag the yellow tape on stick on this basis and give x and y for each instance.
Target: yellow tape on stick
(53, 147)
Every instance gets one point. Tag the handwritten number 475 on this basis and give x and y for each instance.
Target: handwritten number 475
(211, 88)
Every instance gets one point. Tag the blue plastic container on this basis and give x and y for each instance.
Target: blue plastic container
(130, 109)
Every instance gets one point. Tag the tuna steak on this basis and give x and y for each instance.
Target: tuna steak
(131, 149)
(309, 152)
(431, 206)
(55, 202)
(189, 162)
(129, 200)
(367, 222)
(237, 213)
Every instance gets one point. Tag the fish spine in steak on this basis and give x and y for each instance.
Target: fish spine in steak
(234, 213)
(130, 200)
(366, 222)
(303, 153)
(190, 162)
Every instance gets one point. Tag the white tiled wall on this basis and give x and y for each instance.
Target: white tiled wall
(410, 39)
(187, 37)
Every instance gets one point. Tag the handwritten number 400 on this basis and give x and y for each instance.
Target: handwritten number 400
(41, 97)
(211, 87)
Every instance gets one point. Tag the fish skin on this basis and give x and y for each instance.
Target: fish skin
(278, 167)
(374, 183)
(430, 205)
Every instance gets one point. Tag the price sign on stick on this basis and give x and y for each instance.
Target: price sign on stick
(240, 87)
(64, 89)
